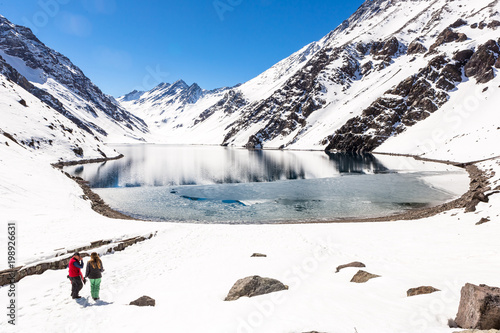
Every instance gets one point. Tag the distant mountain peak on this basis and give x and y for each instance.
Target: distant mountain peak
(180, 83)
(132, 96)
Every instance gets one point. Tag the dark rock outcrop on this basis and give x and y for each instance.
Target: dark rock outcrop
(362, 277)
(458, 23)
(494, 24)
(447, 36)
(389, 47)
(416, 47)
(258, 255)
(478, 331)
(483, 220)
(480, 65)
(479, 307)
(254, 286)
(411, 101)
(144, 301)
(230, 103)
(463, 56)
(352, 264)
(423, 290)
(288, 108)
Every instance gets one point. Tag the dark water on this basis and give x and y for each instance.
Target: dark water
(227, 185)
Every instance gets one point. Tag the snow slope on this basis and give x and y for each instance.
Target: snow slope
(43, 130)
(468, 128)
(189, 269)
(56, 81)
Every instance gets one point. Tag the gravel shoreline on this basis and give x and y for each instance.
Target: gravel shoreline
(477, 187)
(98, 204)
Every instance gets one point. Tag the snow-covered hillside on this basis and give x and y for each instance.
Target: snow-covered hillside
(189, 269)
(388, 67)
(51, 78)
(27, 122)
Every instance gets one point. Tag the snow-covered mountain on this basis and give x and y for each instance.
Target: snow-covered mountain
(391, 65)
(168, 105)
(59, 86)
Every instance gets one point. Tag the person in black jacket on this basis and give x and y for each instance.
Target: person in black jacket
(94, 273)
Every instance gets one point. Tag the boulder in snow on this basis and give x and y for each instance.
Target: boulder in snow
(254, 286)
(258, 255)
(352, 264)
(144, 301)
(483, 220)
(478, 331)
(362, 277)
(423, 290)
(479, 307)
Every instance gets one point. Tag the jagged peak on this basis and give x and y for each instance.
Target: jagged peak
(180, 84)
(131, 96)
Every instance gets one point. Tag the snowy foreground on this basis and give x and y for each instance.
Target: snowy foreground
(189, 269)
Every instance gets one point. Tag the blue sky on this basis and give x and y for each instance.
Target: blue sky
(124, 45)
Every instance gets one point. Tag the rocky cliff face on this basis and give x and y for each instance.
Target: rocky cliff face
(56, 81)
(388, 67)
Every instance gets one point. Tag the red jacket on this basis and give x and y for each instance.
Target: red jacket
(73, 270)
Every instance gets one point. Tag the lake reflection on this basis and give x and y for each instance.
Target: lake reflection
(226, 185)
(161, 165)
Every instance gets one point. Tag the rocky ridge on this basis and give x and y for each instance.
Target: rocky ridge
(374, 76)
(56, 81)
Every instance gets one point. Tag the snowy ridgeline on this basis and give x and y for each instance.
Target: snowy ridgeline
(408, 77)
(419, 70)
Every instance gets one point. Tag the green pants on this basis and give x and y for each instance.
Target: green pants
(95, 286)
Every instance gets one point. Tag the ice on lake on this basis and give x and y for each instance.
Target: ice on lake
(227, 185)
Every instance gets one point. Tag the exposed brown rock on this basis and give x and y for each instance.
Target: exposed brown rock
(478, 331)
(387, 48)
(423, 290)
(352, 264)
(479, 307)
(258, 255)
(458, 23)
(483, 220)
(365, 68)
(448, 36)
(254, 286)
(362, 277)
(416, 47)
(481, 197)
(494, 24)
(144, 301)
(481, 63)
(463, 56)
(411, 101)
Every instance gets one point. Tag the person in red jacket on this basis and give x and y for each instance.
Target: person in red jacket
(75, 275)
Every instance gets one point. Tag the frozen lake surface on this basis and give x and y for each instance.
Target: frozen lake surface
(206, 184)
